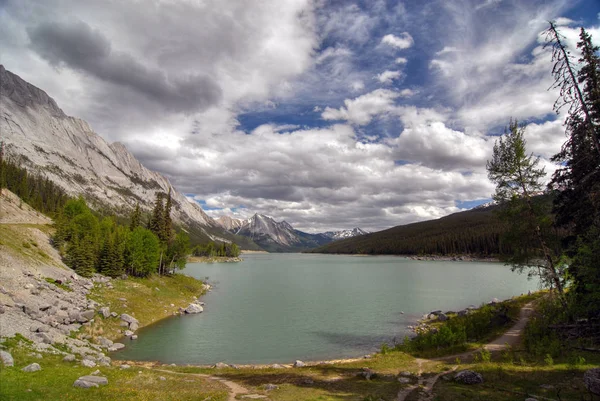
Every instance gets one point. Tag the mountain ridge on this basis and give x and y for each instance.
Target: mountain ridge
(67, 151)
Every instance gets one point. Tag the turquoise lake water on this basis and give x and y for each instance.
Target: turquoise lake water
(276, 308)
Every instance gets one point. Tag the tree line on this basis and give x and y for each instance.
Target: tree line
(571, 260)
(211, 250)
(90, 242)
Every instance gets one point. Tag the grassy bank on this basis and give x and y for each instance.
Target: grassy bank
(55, 382)
(147, 299)
(213, 259)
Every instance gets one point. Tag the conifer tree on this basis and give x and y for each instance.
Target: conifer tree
(168, 222)
(136, 217)
(517, 178)
(157, 220)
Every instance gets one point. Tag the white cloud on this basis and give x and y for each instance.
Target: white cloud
(447, 49)
(407, 93)
(363, 109)
(387, 76)
(401, 60)
(357, 86)
(404, 41)
(487, 3)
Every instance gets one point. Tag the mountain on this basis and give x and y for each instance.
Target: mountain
(66, 150)
(476, 232)
(276, 236)
(343, 234)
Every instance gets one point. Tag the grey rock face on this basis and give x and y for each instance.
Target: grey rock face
(90, 381)
(34, 367)
(591, 379)
(7, 358)
(468, 377)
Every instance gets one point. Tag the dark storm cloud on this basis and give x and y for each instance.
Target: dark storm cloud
(82, 48)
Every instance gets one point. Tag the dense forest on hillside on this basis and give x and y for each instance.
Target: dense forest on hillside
(477, 232)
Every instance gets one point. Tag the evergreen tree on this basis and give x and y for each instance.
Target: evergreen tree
(168, 222)
(517, 178)
(157, 221)
(143, 252)
(136, 217)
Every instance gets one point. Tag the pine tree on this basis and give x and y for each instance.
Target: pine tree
(168, 222)
(517, 178)
(157, 220)
(136, 217)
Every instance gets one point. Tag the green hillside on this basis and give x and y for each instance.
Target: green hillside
(474, 232)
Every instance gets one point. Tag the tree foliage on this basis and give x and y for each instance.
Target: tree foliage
(518, 178)
(577, 181)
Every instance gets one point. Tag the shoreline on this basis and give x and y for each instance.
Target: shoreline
(425, 258)
(214, 259)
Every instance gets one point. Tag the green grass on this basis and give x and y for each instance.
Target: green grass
(58, 284)
(147, 299)
(55, 382)
(519, 380)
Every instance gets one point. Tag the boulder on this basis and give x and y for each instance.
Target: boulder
(6, 358)
(105, 312)
(104, 361)
(88, 314)
(128, 318)
(442, 317)
(128, 333)
(125, 366)
(104, 342)
(88, 363)
(34, 367)
(591, 379)
(194, 308)
(134, 326)
(468, 377)
(299, 364)
(270, 386)
(90, 381)
(113, 314)
(404, 380)
(220, 365)
(69, 358)
(134, 337)
(45, 338)
(367, 373)
(116, 347)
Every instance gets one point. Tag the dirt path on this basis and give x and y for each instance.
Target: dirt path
(509, 339)
(234, 388)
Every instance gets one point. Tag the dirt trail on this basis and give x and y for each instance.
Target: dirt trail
(509, 339)
(234, 388)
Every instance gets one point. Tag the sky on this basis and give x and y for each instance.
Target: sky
(327, 114)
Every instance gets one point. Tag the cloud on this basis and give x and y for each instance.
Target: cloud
(404, 41)
(387, 77)
(363, 109)
(487, 3)
(401, 60)
(80, 47)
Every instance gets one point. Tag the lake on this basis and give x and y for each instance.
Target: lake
(276, 308)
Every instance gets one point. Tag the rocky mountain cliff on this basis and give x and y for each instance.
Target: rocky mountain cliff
(67, 151)
(280, 236)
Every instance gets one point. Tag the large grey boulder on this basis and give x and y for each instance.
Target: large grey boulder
(7, 358)
(468, 377)
(134, 326)
(299, 364)
(69, 358)
(105, 312)
(116, 347)
(88, 363)
(104, 342)
(128, 318)
(591, 379)
(90, 381)
(194, 308)
(34, 367)
(220, 365)
(104, 361)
